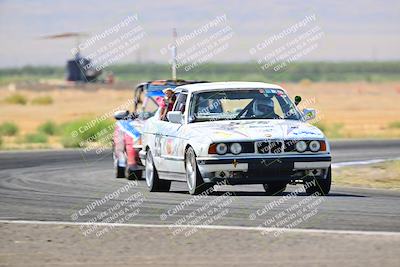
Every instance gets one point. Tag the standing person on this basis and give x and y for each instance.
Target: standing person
(168, 103)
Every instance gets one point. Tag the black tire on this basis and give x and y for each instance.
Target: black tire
(119, 172)
(195, 183)
(274, 188)
(154, 183)
(322, 186)
(135, 175)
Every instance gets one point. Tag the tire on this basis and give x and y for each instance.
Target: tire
(119, 172)
(322, 186)
(154, 183)
(194, 180)
(275, 188)
(135, 175)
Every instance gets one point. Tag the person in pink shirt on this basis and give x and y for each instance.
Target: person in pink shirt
(168, 103)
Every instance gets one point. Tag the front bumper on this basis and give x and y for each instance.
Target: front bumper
(264, 170)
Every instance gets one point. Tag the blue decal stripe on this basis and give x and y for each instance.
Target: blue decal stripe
(129, 129)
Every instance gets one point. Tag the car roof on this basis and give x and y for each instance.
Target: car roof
(225, 85)
(169, 82)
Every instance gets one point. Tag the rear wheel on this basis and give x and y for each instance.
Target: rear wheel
(194, 180)
(321, 186)
(119, 171)
(154, 183)
(274, 188)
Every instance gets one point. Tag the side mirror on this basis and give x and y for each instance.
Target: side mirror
(175, 117)
(297, 100)
(309, 114)
(121, 114)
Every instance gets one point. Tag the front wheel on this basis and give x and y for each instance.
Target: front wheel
(194, 180)
(320, 186)
(154, 183)
(276, 188)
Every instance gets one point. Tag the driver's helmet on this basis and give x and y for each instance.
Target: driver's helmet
(263, 106)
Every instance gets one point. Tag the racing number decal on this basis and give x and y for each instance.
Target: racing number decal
(157, 145)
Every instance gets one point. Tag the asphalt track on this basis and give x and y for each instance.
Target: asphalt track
(59, 185)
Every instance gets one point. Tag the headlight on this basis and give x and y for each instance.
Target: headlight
(222, 148)
(301, 146)
(315, 146)
(236, 148)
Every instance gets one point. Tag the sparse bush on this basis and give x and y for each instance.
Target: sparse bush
(8, 128)
(321, 126)
(17, 99)
(42, 100)
(305, 82)
(395, 125)
(83, 130)
(69, 142)
(36, 138)
(49, 128)
(1, 141)
(332, 131)
(336, 130)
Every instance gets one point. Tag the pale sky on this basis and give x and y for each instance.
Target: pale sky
(353, 29)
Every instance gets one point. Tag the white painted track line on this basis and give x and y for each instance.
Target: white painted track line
(212, 227)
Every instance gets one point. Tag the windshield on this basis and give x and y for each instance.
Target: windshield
(151, 99)
(149, 107)
(242, 104)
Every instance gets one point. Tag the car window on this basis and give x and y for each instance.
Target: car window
(180, 103)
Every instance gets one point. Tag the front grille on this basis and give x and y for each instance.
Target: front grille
(272, 147)
(276, 147)
(290, 146)
(247, 147)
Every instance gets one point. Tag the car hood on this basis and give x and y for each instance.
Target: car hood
(255, 130)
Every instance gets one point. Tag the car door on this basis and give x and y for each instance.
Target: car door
(172, 143)
(151, 136)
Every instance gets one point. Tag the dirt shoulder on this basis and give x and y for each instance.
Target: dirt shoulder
(384, 175)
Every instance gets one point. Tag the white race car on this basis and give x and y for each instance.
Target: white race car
(238, 133)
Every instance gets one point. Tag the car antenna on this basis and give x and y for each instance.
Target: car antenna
(174, 53)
